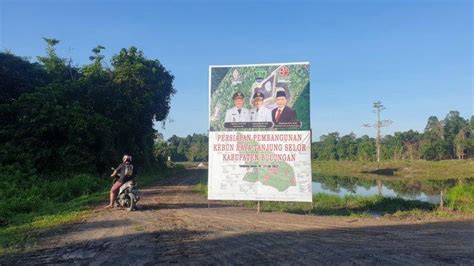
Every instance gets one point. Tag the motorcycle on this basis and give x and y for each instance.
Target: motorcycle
(128, 195)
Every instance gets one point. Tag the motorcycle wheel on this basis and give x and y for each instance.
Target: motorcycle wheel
(131, 202)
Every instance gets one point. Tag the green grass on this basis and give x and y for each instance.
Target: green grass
(420, 169)
(460, 204)
(461, 197)
(24, 233)
(28, 196)
(34, 205)
(357, 206)
(200, 188)
(324, 204)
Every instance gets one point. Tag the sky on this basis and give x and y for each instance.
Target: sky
(416, 57)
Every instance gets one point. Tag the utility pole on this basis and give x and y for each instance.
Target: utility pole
(378, 107)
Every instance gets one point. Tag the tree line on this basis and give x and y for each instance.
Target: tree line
(450, 138)
(192, 148)
(56, 117)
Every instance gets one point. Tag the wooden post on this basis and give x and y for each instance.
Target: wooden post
(258, 207)
(379, 186)
(441, 199)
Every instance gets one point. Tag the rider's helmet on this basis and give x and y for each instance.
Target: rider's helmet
(127, 158)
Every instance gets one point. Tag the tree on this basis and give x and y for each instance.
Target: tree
(434, 127)
(55, 66)
(432, 144)
(392, 148)
(316, 148)
(56, 118)
(346, 147)
(145, 88)
(453, 123)
(161, 151)
(432, 149)
(192, 147)
(411, 144)
(378, 107)
(366, 149)
(95, 69)
(54, 133)
(470, 139)
(328, 148)
(461, 143)
(193, 151)
(18, 76)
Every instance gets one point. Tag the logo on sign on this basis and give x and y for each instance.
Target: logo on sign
(236, 77)
(284, 71)
(260, 74)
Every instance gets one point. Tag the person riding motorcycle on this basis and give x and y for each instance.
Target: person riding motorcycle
(126, 173)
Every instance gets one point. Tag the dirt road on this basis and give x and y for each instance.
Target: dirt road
(175, 225)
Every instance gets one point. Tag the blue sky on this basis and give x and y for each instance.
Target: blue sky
(414, 56)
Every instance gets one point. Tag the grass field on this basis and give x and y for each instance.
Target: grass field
(421, 169)
(24, 224)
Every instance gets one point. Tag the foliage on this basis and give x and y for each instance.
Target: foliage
(451, 138)
(18, 76)
(27, 195)
(57, 118)
(200, 188)
(191, 148)
(409, 145)
(461, 197)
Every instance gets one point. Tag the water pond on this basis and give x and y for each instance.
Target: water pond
(409, 189)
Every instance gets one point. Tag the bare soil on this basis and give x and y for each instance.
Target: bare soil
(175, 225)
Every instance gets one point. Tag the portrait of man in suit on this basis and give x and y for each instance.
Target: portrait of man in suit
(283, 113)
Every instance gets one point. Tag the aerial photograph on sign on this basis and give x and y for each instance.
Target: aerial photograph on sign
(265, 96)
